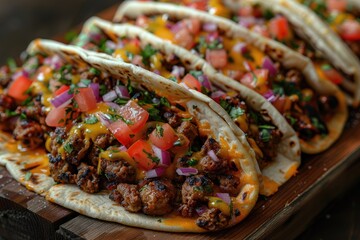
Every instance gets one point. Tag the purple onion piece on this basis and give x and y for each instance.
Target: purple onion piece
(225, 197)
(164, 156)
(205, 82)
(96, 89)
(217, 94)
(114, 106)
(209, 27)
(213, 156)
(186, 171)
(61, 99)
(178, 71)
(200, 210)
(240, 48)
(110, 96)
(157, 172)
(269, 65)
(122, 92)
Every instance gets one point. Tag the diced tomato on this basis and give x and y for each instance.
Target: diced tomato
(142, 153)
(56, 117)
(183, 145)
(62, 89)
(336, 5)
(279, 28)
(18, 88)
(142, 21)
(256, 80)
(193, 25)
(198, 4)
(184, 38)
(163, 136)
(121, 131)
(350, 30)
(135, 115)
(333, 75)
(217, 58)
(190, 81)
(282, 104)
(85, 99)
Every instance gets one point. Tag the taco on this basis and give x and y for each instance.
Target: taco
(267, 19)
(276, 144)
(133, 159)
(315, 108)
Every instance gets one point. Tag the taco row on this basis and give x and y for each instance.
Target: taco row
(177, 126)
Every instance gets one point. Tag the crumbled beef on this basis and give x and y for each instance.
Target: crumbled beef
(79, 148)
(157, 196)
(189, 130)
(34, 110)
(29, 133)
(211, 165)
(213, 219)
(6, 104)
(57, 139)
(173, 119)
(101, 142)
(194, 192)
(118, 171)
(229, 183)
(128, 196)
(293, 76)
(269, 148)
(61, 171)
(87, 178)
(328, 104)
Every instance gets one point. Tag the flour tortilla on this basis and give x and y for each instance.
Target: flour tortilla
(99, 206)
(288, 159)
(19, 165)
(309, 26)
(277, 51)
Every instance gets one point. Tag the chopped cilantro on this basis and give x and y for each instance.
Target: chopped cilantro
(172, 78)
(70, 36)
(266, 127)
(192, 162)
(68, 148)
(318, 124)
(27, 101)
(154, 159)
(196, 74)
(129, 87)
(121, 101)
(10, 113)
(225, 105)
(248, 56)
(146, 53)
(154, 114)
(94, 71)
(186, 119)
(236, 112)
(129, 55)
(164, 102)
(64, 71)
(86, 82)
(326, 67)
(268, 14)
(265, 135)
(159, 130)
(103, 89)
(91, 120)
(23, 116)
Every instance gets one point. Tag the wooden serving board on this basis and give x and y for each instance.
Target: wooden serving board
(322, 177)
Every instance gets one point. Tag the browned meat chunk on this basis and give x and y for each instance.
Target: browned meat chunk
(189, 130)
(57, 139)
(29, 133)
(118, 171)
(128, 196)
(6, 104)
(328, 104)
(214, 164)
(173, 119)
(87, 178)
(213, 219)
(194, 192)
(229, 184)
(157, 196)
(294, 76)
(75, 148)
(61, 171)
(269, 147)
(101, 142)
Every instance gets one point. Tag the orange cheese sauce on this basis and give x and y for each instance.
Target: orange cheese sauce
(185, 223)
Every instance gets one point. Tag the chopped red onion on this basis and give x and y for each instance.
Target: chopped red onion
(19, 74)
(213, 156)
(114, 106)
(123, 149)
(95, 36)
(225, 197)
(61, 99)
(186, 171)
(104, 120)
(137, 60)
(177, 27)
(96, 89)
(269, 65)
(110, 44)
(156, 72)
(157, 172)
(122, 92)
(55, 62)
(212, 36)
(200, 210)
(110, 96)
(209, 27)
(240, 48)
(205, 82)
(270, 96)
(217, 94)
(178, 71)
(164, 156)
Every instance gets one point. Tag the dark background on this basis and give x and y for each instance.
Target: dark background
(23, 20)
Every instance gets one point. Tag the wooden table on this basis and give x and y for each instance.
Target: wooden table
(25, 215)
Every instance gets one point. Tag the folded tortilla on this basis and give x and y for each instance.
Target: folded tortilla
(213, 123)
(275, 171)
(129, 11)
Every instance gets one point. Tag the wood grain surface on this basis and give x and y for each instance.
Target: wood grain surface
(25, 215)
